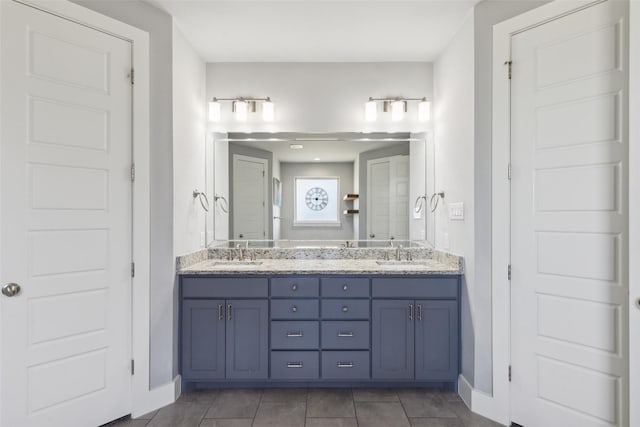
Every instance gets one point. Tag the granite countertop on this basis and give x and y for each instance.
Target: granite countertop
(323, 266)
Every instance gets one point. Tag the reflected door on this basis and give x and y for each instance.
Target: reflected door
(388, 198)
(249, 198)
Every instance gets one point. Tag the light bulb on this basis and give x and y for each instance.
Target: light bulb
(424, 111)
(215, 112)
(268, 113)
(370, 111)
(397, 110)
(241, 110)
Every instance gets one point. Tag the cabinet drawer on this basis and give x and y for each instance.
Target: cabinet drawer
(294, 365)
(351, 335)
(437, 287)
(296, 335)
(294, 287)
(345, 309)
(197, 287)
(294, 309)
(345, 364)
(335, 287)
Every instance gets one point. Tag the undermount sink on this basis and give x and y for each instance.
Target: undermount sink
(394, 262)
(234, 263)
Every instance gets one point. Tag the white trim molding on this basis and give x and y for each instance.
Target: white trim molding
(143, 399)
(497, 405)
(634, 211)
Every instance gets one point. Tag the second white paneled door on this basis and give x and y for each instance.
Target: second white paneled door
(66, 221)
(569, 193)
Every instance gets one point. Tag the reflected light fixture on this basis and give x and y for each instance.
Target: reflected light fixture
(241, 107)
(397, 106)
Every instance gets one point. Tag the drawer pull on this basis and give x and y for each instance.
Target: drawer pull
(294, 309)
(295, 365)
(345, 287)
(345, 365)
(345, 334)
(345, 308)
(294, 287)
(220, 313)
(295, 334)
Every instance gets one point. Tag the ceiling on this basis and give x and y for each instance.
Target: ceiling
(326, 148)
(318, 30)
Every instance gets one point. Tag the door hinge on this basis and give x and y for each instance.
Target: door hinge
(509, 64)
(263, 174)
(509, 171)
(133, 172)
(133, 269)
(509, 373)
(133, 367)
(509, 272)
(132, 76)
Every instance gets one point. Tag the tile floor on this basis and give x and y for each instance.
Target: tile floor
(314, 408)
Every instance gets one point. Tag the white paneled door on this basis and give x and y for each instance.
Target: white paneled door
(65, 220)
(569, 193)
(249, 198)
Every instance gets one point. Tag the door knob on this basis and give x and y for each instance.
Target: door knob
(10, 289)
(372, 236)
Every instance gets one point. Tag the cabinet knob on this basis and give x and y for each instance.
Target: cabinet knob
(345, 287)
(294, 287)
(345, 308)
(294, 309)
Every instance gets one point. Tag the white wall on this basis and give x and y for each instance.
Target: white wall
(454, 139)
(159, 25)
(189, 83)
(319, 97)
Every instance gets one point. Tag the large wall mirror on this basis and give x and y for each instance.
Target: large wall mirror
(294, 187)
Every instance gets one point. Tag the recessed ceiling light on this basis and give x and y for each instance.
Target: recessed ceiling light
(317, 159)
(296, 146)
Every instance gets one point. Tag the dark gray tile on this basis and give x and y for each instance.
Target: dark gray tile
(238, 403)
(147, 416)
(284, 395)
(199, 396)
(237, 422)
(436, 422)
(381, 414)
(323, 403)
(470, 419)
(179, 415)
(375, 395)
(331, 422)
(425, 403)
(130, 423)
(280, 414)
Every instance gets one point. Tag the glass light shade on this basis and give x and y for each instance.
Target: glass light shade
(215, 111)
(242, 108)
(397, 111)
(424, 111)
(268, 111)
(370, 111)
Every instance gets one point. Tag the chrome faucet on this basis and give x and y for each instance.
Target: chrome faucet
(399, 253)
(240, 252)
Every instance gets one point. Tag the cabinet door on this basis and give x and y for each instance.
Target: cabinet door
(392, 339)
(203, 330)
(436, 340)
(247, 339)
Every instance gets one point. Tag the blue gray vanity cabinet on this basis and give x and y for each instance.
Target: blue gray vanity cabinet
(224, 338)
(417, 337)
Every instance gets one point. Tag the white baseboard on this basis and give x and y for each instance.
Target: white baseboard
(157, 397)
(465, 390)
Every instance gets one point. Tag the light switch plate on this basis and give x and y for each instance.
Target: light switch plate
(456, 211)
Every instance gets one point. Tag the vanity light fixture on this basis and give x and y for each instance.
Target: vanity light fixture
(398, 106)
(241, 107)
